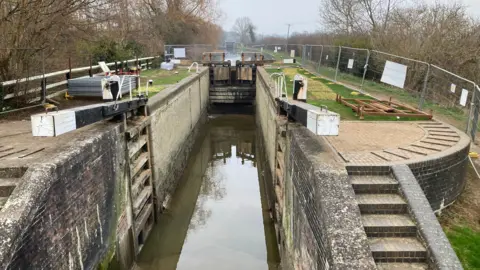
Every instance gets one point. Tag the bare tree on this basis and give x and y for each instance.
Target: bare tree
(341, 16)
(244, 29)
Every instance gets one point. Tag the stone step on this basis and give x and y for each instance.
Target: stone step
(397, 249)
(381, 204)
(402, 266)
(374, 184)
(7, 185)
(389, 225)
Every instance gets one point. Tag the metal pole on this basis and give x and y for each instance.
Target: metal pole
(424, 90)
(470, 111)
(338, 62)
(320, 62)
(365, 69)
(286, 41)
(44, 80)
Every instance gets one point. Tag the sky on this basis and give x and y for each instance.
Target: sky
(272, 16)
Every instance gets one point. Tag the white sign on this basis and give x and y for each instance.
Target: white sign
(288, 61)
(292, 53)
(176, 61)
(350, 63)
(394, 74)
(279, 48)
(326, 57)
(453, 88)
(179, 52)
(463, 97)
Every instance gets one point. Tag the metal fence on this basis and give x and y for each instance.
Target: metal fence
(29, 78)
(452, 98)
(193, 52)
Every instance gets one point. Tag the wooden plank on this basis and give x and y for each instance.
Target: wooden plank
(382, 107)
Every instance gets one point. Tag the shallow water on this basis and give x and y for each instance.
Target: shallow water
(216, 220)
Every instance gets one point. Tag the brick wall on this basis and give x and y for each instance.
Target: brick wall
(442, 179)
(74, 205)
(325, 230)
(321, 223)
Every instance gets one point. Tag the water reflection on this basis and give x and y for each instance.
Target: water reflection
(215, 220)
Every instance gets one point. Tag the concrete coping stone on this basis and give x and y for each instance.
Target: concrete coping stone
(441, 254)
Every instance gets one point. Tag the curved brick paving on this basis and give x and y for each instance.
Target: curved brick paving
(384, 143)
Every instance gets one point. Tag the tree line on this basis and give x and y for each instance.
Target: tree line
(440, 34)
(94, 30)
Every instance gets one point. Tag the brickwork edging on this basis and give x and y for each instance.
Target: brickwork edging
(441, 254)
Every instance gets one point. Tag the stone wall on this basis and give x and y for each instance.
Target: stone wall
(176, 115)
(69, 208)
(63, 214)
(320, 221)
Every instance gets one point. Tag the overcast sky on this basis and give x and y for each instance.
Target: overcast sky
(272, 16)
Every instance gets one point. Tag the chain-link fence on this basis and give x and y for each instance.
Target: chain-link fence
(450, 97)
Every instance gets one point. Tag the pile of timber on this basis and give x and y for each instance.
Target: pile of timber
(372, 107)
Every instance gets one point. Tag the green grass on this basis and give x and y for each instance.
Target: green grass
(466, 244)
(345, 112)
(161, 79)
(457, 115)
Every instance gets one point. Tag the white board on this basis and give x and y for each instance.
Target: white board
(292, 53)
(394, 74)
(326, 57)
(176, 61)
(453, 88)
(350, 63)
(53, 123)
(463, 97)
(288, 61)
(179, 52)
(104, 67)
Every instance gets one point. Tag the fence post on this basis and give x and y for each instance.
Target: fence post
(365, 69)
(310, 54)
(1, 97)
(470, 111)
(320, 62)
(424, 90)
(90, 73)
(44, 80)
(338, 62)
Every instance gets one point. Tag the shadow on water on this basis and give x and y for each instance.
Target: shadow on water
(218, 218)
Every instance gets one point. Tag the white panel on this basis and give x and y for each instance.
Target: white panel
(324, 123)
(179, 52)
(53, 123)
(326, 57)
(394, 74)
(463, 97)
(453, 88)
(176, 61)
(288, 61)
(104, 67)
(350, 63)
(292, 53)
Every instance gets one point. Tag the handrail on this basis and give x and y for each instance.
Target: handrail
(194, 63)
(61, 72)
